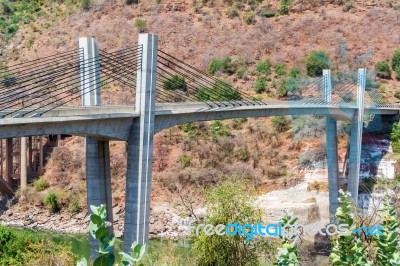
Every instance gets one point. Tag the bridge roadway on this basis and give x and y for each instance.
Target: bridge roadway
(115, 122)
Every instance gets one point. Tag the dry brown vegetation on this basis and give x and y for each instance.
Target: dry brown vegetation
(186, 162)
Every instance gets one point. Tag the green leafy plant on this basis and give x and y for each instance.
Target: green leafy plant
(280, 69)
(99, 230)
(294, 72)
(51, 202)
(287, 253)
(137, 252)
(224, 65)
(396, 59)
(175, 82)
(285, 6)
(387, 243)
(260, 85)
(264, 67)
(397, 73)
(316, 61)
(395, 137)
(383, 70)
(85, 4)
(347, 248)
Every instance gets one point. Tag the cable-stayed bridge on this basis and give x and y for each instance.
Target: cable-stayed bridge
(130, 94)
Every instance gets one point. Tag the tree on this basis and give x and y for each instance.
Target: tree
(347, 248)
(280, 123)
(316, 61)
(383, 70)
(396, 59)
(228, 203)
(387, 243)
(395, 137)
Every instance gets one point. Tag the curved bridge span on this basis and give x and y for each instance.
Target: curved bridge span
(167, 92)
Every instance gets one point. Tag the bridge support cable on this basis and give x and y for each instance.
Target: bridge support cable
(140, 148)
(197, 86)
(202, 80)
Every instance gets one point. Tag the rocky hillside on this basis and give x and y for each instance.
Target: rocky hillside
(189, 158)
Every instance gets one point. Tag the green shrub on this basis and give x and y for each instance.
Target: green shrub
(130, 2)
(280, 69)
(260, 85)
(249, 18)
(232, 12)
(383, 70)
(316, 61)
(387, 244)
(74, 205)
(41, 184)
(292, 85)
(241, 72)
(396, 59)
(264, 12)
(229, 203)
(256, 98)
(280, 123)
(51, 202)
(7, 9)
(285, 6)
(395, 137)
(224, 65)
(220, 91)
(347, 6)
(24, 247)
(264, 67)
(294, 72)
(185, 160)
(397, 95)
(140, 25)
(219, 129)
(85, 4)
(397, 73)
(175, 82)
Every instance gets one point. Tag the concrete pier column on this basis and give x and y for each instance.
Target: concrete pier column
(140, 148)
(357, 124)
(333, 169)
(30, 158)
(9, 160)
(41, 156)
(23, 164)
(98, 177)
(331, 150)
